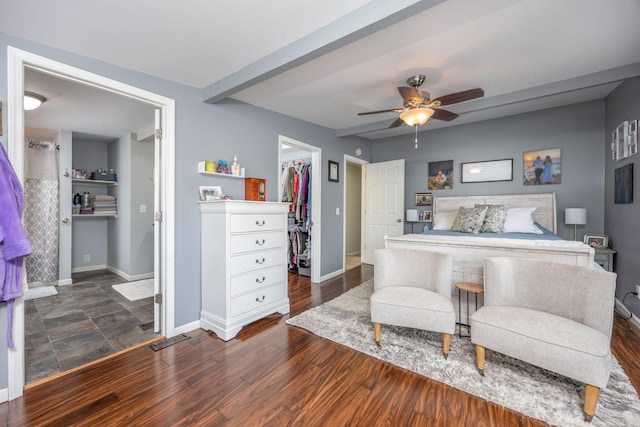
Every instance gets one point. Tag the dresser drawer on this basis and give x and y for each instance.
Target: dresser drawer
(256, 241)
(257, 299)
(255, 261)
(243, 223)
(257, 279)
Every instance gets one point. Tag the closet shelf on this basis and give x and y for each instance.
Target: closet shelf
(94, 182)
(202, 171)
(95, 215)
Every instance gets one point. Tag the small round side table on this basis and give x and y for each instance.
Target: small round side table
(468, 287)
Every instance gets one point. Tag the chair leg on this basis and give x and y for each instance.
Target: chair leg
(376, 332)
(590, 401)
(446, 344)
(480, 358)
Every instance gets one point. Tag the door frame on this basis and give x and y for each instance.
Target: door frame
(351, 159)
(316, 184)
(19, 59)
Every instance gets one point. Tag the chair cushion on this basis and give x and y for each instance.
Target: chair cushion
(551, 342)
(413, 308)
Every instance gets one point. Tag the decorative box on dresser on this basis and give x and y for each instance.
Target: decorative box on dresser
(244, 263)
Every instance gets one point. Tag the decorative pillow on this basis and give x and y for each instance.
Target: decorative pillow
(469, 220)
(444, 220)
(494, 220)
(519, 220)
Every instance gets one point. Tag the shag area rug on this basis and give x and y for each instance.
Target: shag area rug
(508, 382)
(134, 291)
(40, 292)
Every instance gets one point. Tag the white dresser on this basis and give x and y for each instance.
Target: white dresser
(244, 263)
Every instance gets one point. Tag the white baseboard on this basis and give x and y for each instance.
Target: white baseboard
(626, 313)
(89, 268)
(331, 275)
(130, 277)
(65, 282)
(4, 395)
(183, 329)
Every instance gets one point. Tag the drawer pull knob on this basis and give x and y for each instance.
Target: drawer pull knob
(260, 243)
(260, 223)
(260, 262)
(260, 299)
(260, 281)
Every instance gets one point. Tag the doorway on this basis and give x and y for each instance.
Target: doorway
(354, 202)
(164, 172)
(304, 227)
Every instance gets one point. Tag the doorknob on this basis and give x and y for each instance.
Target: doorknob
(399, 220)
(65, 221)
(66, 173)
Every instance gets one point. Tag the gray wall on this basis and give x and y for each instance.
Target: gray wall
(578, 130)
(205, 131)
(353, 176)
(621, 220)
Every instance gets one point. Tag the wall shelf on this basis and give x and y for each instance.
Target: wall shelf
(94, 182)
(201, 170)
(95, 215)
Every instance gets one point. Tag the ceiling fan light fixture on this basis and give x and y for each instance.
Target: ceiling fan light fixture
(417, 116)
(32, 100)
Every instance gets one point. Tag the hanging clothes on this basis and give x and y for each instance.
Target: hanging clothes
(296, 189)
(14, 245)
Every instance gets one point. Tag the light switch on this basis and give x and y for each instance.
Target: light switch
(337, 211)
(143, 208)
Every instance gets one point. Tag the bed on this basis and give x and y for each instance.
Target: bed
(469, 250)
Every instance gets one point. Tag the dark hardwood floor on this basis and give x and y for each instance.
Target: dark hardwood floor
(270, 375)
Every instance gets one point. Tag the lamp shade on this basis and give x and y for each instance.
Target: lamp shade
(416, 116)
(32, 100)
(412, 215)
(575, 216)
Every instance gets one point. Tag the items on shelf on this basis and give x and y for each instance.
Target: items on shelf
(235, 166)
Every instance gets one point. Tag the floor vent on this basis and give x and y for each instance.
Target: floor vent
(146, 326)
(169, 341)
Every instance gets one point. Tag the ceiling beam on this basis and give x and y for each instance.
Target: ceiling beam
(551, 89)
(368, 19)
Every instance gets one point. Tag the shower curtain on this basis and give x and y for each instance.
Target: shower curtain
(41, 210)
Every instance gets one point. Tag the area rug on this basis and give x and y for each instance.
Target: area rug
(134, 291)
(40, 292)
(508, 382)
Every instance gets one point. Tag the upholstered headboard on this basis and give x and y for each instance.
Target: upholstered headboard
(545, 204)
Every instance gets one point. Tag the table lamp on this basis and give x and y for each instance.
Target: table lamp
(575, 217)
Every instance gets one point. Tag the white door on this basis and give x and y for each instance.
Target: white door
(384, 205)
(157, 224)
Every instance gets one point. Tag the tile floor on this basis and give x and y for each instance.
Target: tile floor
(84, 322)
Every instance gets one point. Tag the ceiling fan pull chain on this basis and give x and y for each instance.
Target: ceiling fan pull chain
(416, 136)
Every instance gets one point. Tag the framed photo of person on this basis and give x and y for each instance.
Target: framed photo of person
(423, 199)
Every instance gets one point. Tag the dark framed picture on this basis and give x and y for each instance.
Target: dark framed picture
(624, 184)
(542, 167)
(334, 172)
(423, 199)
(440, 175)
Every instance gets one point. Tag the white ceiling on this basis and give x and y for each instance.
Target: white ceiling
(325, 61)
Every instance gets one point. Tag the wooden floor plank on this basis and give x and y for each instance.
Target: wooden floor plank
(270, 374)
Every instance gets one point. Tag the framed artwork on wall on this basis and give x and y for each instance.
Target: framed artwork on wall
(620, 135)
(334, 175)
(487, 171)
(440, 175)
(542, 167)
(423, 199)
(633, 138)
(624, 184)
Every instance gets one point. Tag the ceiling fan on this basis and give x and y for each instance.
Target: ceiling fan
(419, 107)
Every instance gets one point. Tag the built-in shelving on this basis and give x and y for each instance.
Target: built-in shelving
(94, 182)
(201, 170)
(96, 215)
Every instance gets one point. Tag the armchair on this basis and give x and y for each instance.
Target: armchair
(412, 288)
(555, 316)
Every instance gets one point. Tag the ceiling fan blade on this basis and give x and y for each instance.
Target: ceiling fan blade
(396, 123)
(409, 93)
(380, 111)
(445, 115)
(465, 95)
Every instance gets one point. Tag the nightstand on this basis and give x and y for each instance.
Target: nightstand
(604, 257)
